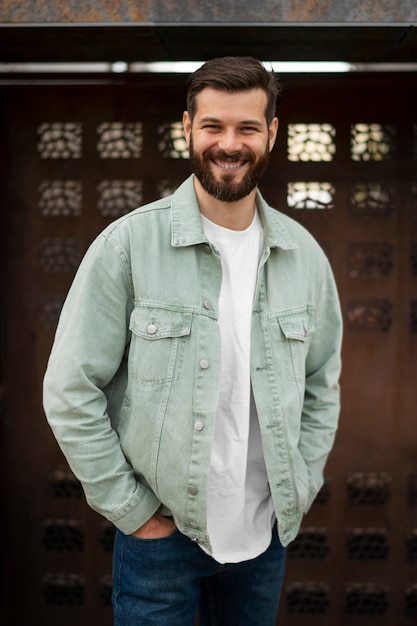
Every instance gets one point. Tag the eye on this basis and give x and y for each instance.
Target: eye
(211, 127)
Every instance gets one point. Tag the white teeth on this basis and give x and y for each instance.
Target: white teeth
(229, 166)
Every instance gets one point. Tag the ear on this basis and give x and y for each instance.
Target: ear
(272, 131)
(186, 123)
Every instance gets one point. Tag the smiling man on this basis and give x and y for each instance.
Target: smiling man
(229, 153)
(193, 382)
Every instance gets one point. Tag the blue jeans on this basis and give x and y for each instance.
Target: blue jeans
(167, 581)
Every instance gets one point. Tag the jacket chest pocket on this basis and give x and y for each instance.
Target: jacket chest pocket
(159, 337)
(296, 330)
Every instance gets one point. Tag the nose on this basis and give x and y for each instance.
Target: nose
(230, 142)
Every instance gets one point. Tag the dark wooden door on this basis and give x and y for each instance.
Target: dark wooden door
(76, 156)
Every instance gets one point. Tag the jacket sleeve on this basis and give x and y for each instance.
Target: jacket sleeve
(322, 391)
(86, 358)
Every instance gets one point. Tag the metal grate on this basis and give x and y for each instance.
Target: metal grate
(366, 599)
(310, 195)
(366, 544)
(58, 140)
(372, 199)
(60, 254)
(411, 600)
(370, 315)
(63, 535)
(310, 598)
(373, 142)
(311, 543)
(324, 494)
(64, 589)
(106, 588)
(60, 198)
(119, 140)
(172, 143)
(412, 481)
(370, 260)
(63, 483)
(411, 547)
(117, 197)
(50, 309)
(371, 488)
(311, 142)
(107, 533)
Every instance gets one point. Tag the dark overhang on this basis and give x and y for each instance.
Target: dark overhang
(354, 43)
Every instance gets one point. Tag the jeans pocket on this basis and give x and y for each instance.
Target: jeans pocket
(151, 583)
(155, 539)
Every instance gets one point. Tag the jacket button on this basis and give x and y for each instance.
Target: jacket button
(192, 490)
(207, 305)
(198, 425)
(204, 364)
(207, 248)
(151, 329)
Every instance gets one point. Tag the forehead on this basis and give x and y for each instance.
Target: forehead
(237, 105)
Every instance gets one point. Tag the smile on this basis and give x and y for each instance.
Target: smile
(228, 165)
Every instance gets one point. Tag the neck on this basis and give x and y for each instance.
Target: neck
(232, 215)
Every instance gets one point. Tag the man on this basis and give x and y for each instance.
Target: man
(193, 383)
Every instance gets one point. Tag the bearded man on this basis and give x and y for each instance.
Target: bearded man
(193, 383)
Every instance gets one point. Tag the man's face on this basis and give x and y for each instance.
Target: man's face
(229, 141)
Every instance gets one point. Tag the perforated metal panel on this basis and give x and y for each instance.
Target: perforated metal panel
(345, 165)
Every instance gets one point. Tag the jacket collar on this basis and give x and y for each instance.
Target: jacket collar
(187, 229)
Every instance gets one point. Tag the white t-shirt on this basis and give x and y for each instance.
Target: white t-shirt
(240, 512)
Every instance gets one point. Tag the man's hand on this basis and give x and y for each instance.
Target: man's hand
(156, 527)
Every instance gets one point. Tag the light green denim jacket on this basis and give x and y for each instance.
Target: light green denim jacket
(132, 382)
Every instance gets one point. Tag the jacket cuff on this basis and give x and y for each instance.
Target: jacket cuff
(139, 509)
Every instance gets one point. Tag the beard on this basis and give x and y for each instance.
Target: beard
(226, 189)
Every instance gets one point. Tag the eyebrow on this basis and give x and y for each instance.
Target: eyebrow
(216, 120)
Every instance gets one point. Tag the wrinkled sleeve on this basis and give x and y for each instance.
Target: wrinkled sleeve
(86, 358)
(322, 390)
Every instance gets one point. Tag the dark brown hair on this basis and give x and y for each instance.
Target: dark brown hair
(233, 74)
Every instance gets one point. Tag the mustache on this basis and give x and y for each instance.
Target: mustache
(220, 155)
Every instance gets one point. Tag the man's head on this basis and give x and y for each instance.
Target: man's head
(233, 74)
(230, 125)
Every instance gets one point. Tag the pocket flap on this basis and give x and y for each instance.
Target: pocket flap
(297, 324)
(155, 323)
